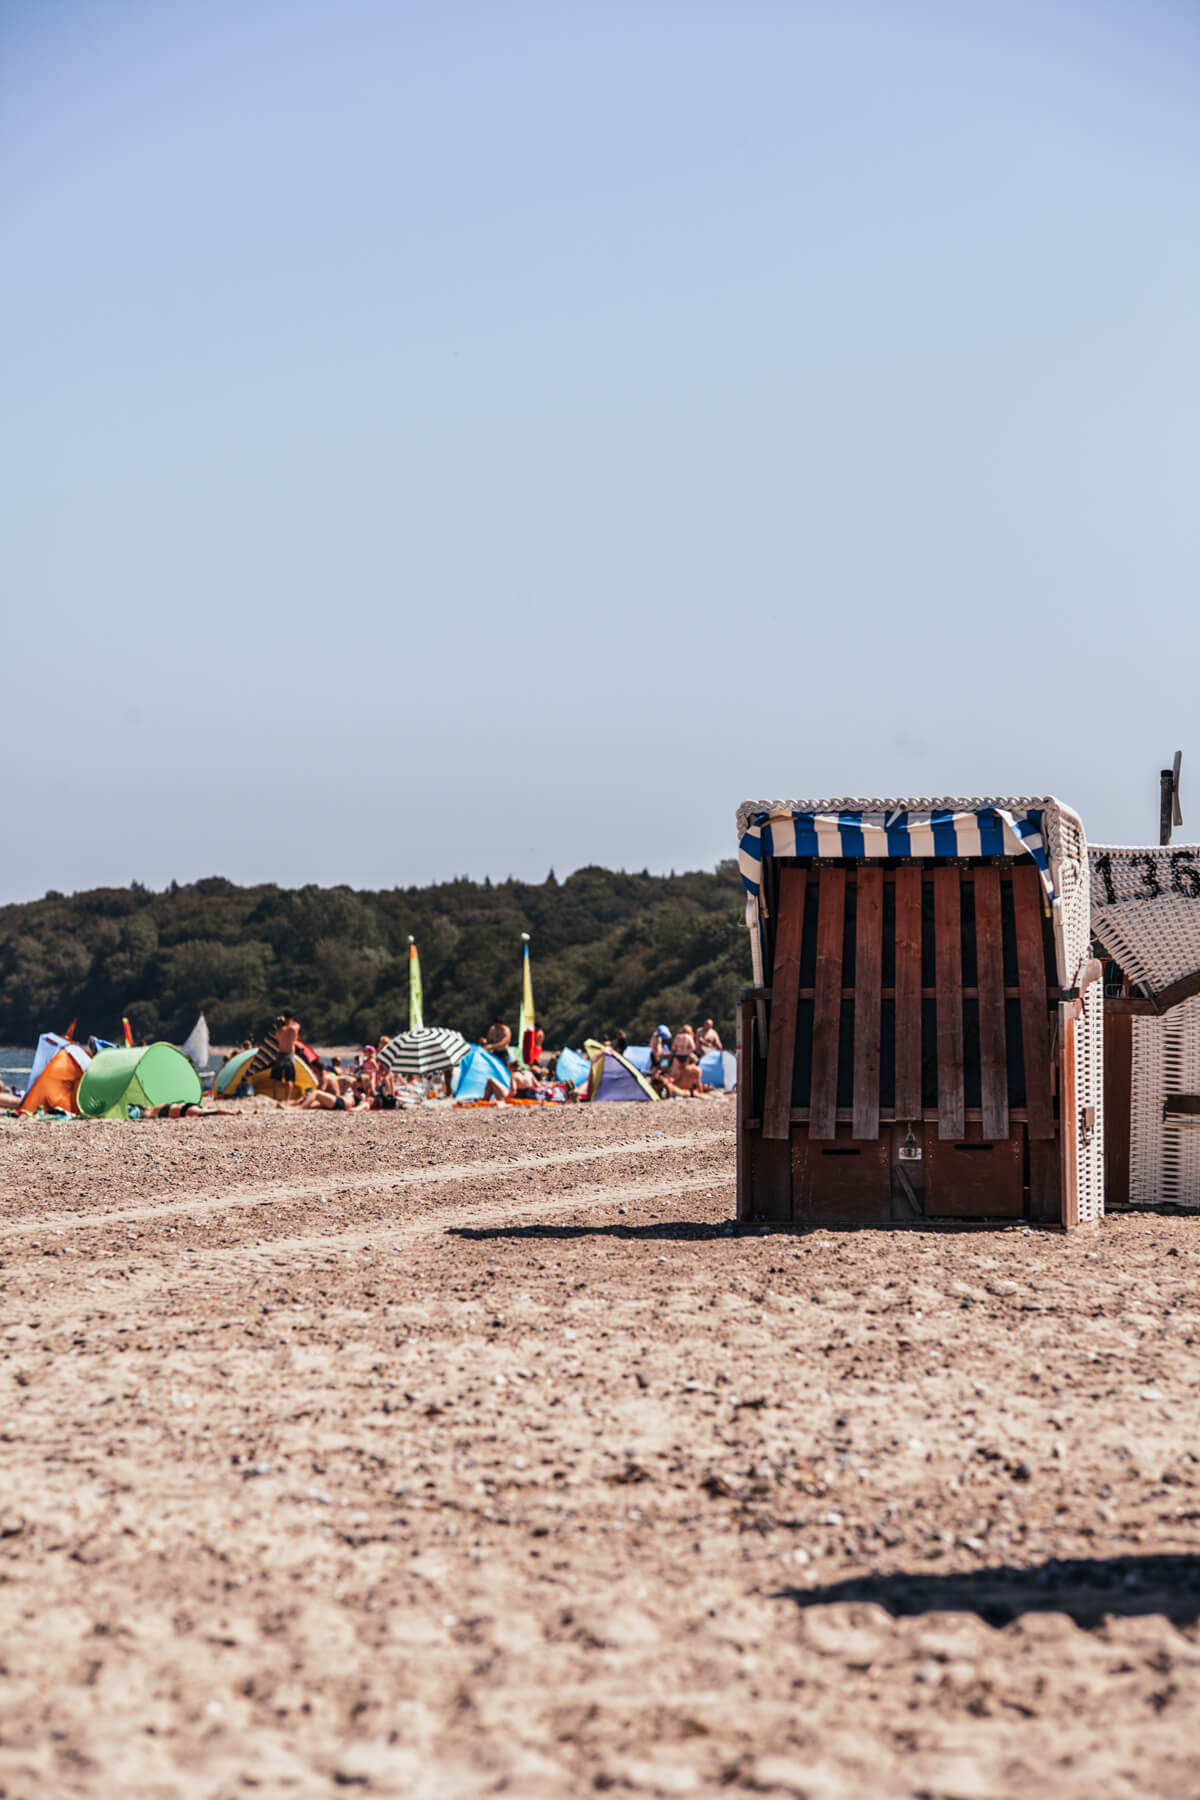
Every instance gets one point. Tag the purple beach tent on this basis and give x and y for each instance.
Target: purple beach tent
(612, 1077)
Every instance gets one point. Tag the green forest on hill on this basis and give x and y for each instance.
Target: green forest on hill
(610, 950)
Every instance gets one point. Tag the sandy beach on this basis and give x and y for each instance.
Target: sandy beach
(458, 1453)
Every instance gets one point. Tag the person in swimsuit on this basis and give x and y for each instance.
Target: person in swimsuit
(369, 1067)
(283, 1069)
(683, 1045)
(687, 1080)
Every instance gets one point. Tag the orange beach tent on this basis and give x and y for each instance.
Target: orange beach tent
(56, 1082)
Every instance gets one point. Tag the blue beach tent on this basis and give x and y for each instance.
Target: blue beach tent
(475, 1070)
(571, 1067)
(718, 1069)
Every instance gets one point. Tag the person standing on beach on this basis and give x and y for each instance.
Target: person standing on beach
(708, 1037)
(683, 1045)
(283, 1069)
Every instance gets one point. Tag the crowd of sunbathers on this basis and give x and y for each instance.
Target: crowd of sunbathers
(673, 1071)
(366, 1082)
(362, 1083)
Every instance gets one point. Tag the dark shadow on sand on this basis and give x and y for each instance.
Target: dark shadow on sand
(1086, 1590)
(675, 1230)
(699, 1231)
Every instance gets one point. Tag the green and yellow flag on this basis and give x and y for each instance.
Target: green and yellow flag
(415, 1016)
(526, 1023)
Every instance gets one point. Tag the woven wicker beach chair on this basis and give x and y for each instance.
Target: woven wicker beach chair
(924, 1036)
(1146, 917)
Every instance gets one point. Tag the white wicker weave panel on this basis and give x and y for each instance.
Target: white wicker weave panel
(1069, 860)
(1089, 1091)
(1146, 909)
(1164, 1159)
(1145, 1127)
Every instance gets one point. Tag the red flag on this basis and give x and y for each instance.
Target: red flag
(128, 1035)
(70, 1031)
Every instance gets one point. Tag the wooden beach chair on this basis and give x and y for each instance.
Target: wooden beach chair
(1146, 918)
(923, 1038)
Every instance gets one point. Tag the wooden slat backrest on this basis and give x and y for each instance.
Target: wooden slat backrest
(989, 956)
(789, 1040)
(948, 982)
(1035, 1018)
(827, 1003)
(868, 1002)
(785, 1002)
(1118, 1105)
(908, 992)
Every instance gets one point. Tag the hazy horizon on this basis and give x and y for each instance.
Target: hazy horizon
(450, 441)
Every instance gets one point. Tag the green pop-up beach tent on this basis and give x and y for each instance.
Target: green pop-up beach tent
(115, 1081)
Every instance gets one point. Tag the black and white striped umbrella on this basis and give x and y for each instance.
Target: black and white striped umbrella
(426, 1051)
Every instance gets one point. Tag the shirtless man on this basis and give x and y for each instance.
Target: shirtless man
(498, 1038)
(708, 1037)
(283, 1069)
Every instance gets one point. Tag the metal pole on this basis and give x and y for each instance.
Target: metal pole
(1166, 804)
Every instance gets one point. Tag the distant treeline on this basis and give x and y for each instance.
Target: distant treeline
(609, 950)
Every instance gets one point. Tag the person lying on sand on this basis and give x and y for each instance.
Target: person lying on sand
(321, 1100)
(522, 1083)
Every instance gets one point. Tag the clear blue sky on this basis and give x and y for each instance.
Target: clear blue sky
(475, 439)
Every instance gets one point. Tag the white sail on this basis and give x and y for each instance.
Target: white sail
(195, 1048)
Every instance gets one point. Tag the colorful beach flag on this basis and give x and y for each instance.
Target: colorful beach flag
(128, 1034)
(416, 1019)
(525, 1026)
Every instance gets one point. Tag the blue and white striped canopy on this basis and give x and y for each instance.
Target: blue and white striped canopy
(855, 831)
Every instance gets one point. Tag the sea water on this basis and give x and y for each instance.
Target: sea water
(16, 1060)
(15, 1064)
